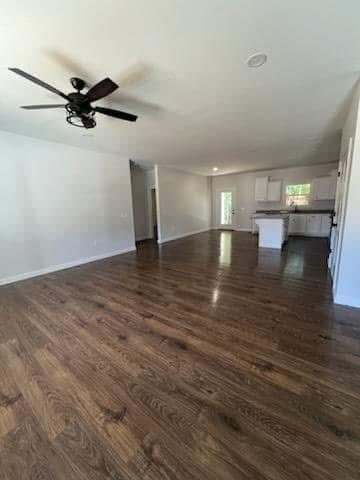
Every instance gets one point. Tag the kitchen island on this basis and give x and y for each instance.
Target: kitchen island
(273, 230)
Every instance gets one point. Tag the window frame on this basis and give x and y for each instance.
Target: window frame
(298, 199)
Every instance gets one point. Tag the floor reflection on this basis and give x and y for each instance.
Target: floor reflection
(225, 248)
(294, 265)
(215, 295)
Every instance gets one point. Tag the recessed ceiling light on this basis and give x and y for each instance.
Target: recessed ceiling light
(215, 169)
(257, 60)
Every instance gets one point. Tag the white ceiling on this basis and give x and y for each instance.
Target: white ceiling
(188, 59)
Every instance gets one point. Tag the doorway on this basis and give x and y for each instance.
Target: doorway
(144, 203)
(153, 213)
(225, 208)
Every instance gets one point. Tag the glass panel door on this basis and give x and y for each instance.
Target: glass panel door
(226, 208)
(225, 213)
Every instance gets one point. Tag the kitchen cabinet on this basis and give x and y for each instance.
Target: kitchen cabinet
(324, 188)
(272, 230)
(261, 189)
(333, 185)
(267, 190)
(312, 225)
(297, 224)
(326, 222)
(274, 191)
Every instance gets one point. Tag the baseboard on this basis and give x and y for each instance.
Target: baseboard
(348, 301)
(312, 235)
(243, 229)
(175, 237)
(63, 266)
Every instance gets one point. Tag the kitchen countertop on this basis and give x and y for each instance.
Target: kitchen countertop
(264, 216)
(298, 211)
(272, 216)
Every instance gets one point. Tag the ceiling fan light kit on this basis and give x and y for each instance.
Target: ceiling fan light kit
(85, 120)
(79, 109)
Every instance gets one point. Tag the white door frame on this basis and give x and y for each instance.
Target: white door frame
(218, 224)
(340, 220)
(150, 208)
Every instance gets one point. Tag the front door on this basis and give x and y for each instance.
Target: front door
(225, 211)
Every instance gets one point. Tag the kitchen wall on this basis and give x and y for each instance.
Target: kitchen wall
(346, 282)
(60, 206)
(244, 185)
(184, 202)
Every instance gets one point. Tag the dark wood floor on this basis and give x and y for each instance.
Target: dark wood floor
(207, 359)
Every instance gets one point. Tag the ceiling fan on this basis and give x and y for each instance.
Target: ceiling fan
(79, 109)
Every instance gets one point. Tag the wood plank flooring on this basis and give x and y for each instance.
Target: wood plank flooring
(204, 359)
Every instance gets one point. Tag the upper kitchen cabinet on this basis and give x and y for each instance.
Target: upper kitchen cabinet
(274, 191)
(324, 188)
(267, 190)
(261, 189)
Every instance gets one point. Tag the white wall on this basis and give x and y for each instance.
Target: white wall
(244, 185)
(59, 206)
(184, 203)
(348, 285)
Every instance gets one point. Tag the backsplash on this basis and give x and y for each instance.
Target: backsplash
(315, 204)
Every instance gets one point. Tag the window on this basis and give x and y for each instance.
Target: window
(298, 194)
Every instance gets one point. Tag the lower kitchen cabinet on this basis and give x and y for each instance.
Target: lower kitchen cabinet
(297, 224)
(312, 224)
(326, 222)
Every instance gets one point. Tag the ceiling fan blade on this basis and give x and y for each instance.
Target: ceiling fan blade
(41, 107)
(116, 114)
(38, 82)
(70, 65)
(135, 75)
(123, 100)
(101, 89)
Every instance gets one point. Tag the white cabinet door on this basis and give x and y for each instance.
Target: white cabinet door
(325, 225)
(274, 191)
(297, 224)
(320, 188)
(261, 189)
(333, 185)
(313, 224)
(324, 188)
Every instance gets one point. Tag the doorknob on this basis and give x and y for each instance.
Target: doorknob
(233, 211)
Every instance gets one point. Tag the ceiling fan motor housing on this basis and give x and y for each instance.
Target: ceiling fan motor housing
(77, 83)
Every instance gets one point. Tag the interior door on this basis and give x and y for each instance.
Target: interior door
(225, 208)
(340, 209)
